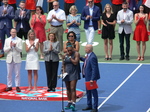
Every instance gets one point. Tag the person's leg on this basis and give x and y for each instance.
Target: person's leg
(106, 49)
(8, 32)
(143, 50)
(95, 95)
(41, 50)
(91, 35)
(89, 98)
(25, 35)
(73, 90)
(73, 93)
(30, 79)
(110, 48)
(60, 31)
(54, 74)
(121, 41)
(48, 74)
(138, 50)
(78, 37)
(127, 37)
(2, 38)
(20, 34)
(68, 95)
(9, 74)
(17, 67)
(87, 34)
(35, 79)
(17, 76)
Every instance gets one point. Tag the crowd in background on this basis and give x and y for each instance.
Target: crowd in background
(16, 24)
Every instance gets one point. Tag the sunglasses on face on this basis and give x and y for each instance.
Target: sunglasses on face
(55, 5)
(90, 1)
(70, 36)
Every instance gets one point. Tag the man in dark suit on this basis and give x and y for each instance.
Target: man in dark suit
(22, 17)
(91, 16)
(6, 16)
(91, 73)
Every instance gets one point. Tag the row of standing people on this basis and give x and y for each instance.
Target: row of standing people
(38, 23)
(71, 65)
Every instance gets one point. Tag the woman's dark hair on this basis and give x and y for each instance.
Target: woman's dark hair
(73, 35)
(42, 12)
(144, 11)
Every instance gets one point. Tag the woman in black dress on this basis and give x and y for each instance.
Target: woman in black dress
(108, 33)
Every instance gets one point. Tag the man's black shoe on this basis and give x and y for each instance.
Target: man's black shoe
(53, 89)
(49, 89)
(94, 110)
(18, 89)
(127, 58)
(8, 88)
(87, 108)
(122, 58)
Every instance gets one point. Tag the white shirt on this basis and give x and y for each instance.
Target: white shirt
(60, 14)
(91, 13)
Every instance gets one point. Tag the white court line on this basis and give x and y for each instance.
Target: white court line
(119, 87)
(148, 110)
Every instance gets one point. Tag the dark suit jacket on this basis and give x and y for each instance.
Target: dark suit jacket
(95, 17)
(91, 69)
(24, 20)
(6, 18)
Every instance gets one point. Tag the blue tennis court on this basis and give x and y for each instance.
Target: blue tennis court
(122, 88)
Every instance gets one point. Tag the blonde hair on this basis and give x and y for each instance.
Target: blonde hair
(108, 6)
(73, 7)
(31, 31)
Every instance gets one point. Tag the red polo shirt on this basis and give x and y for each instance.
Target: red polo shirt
(70, 1)
(97, 1)
(117, 2)
(143, 1)
(11, 1)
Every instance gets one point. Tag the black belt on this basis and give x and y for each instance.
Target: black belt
(90, 25)
(56, 26)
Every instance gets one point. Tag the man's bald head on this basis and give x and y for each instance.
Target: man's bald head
(88, 48)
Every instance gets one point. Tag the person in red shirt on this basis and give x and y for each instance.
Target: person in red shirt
(31, 5)
(117, 5)
(67, 5)
(13, 4)
(98, 4)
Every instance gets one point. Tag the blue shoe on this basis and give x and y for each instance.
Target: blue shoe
(68, 106)
(72, 107)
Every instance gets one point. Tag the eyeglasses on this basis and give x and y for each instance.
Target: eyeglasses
(70, 36)
(90, 1)
(55, 5)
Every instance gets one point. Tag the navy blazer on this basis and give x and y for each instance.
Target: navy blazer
(95, 17)
(7, 18)
(24, 20)
(91, 69)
